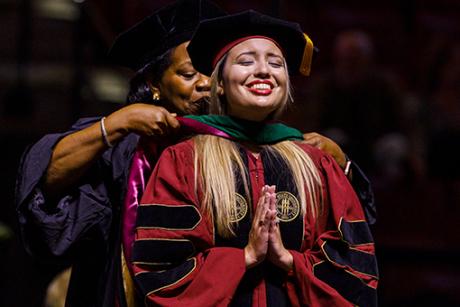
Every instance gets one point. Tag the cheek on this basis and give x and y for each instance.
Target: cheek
(282, 82)
(187, 88)
(232, 84)
(180, 89)
(232, 92)
(281, 76)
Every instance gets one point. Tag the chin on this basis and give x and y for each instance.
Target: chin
(199, 107)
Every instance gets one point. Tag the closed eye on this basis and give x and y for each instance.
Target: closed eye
(245, 63)
(276, 64)
(188, 76)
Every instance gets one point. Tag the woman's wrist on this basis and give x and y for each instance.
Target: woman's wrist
(105, 137)
(249, 257)
(286, 261)
(115, 128)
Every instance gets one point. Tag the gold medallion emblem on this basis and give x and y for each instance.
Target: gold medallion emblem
(287, 206)
(240, 209)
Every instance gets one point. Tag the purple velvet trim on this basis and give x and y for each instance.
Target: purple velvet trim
(191, 125)
(141, 168)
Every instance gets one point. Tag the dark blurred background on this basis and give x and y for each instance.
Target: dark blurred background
(385, 85)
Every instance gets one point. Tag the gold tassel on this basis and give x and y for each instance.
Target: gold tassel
(305, 65)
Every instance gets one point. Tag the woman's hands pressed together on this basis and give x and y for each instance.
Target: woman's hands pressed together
(256, 250)
(265, 237)
(277, 254)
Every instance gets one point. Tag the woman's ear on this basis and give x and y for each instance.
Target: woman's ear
(155, 91)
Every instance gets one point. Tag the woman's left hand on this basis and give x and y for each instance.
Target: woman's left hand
(277, 254)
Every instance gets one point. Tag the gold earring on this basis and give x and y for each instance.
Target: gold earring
(156, 96)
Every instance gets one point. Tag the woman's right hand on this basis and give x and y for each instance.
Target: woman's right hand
(76, 152)
(257, 247)
(142, 119)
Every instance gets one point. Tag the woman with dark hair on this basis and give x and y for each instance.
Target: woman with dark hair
(71, 186)
(245, 213)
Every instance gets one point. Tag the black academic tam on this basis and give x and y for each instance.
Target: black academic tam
(166, 28)
(214, 35)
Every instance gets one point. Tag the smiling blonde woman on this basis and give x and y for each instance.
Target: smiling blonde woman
(244, 213)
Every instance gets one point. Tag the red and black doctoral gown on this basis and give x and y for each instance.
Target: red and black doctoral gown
(180, 260)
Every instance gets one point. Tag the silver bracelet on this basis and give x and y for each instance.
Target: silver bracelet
(105, 139)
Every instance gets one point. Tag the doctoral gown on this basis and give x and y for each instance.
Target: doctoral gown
(179, 259)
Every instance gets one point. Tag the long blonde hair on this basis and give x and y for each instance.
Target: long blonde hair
(216, 159)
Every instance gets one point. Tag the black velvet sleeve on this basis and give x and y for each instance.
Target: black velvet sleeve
(363, 188)
(54, 227)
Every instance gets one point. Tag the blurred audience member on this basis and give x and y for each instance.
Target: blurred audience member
(358, 105)
(5, 233)
(444, 113)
